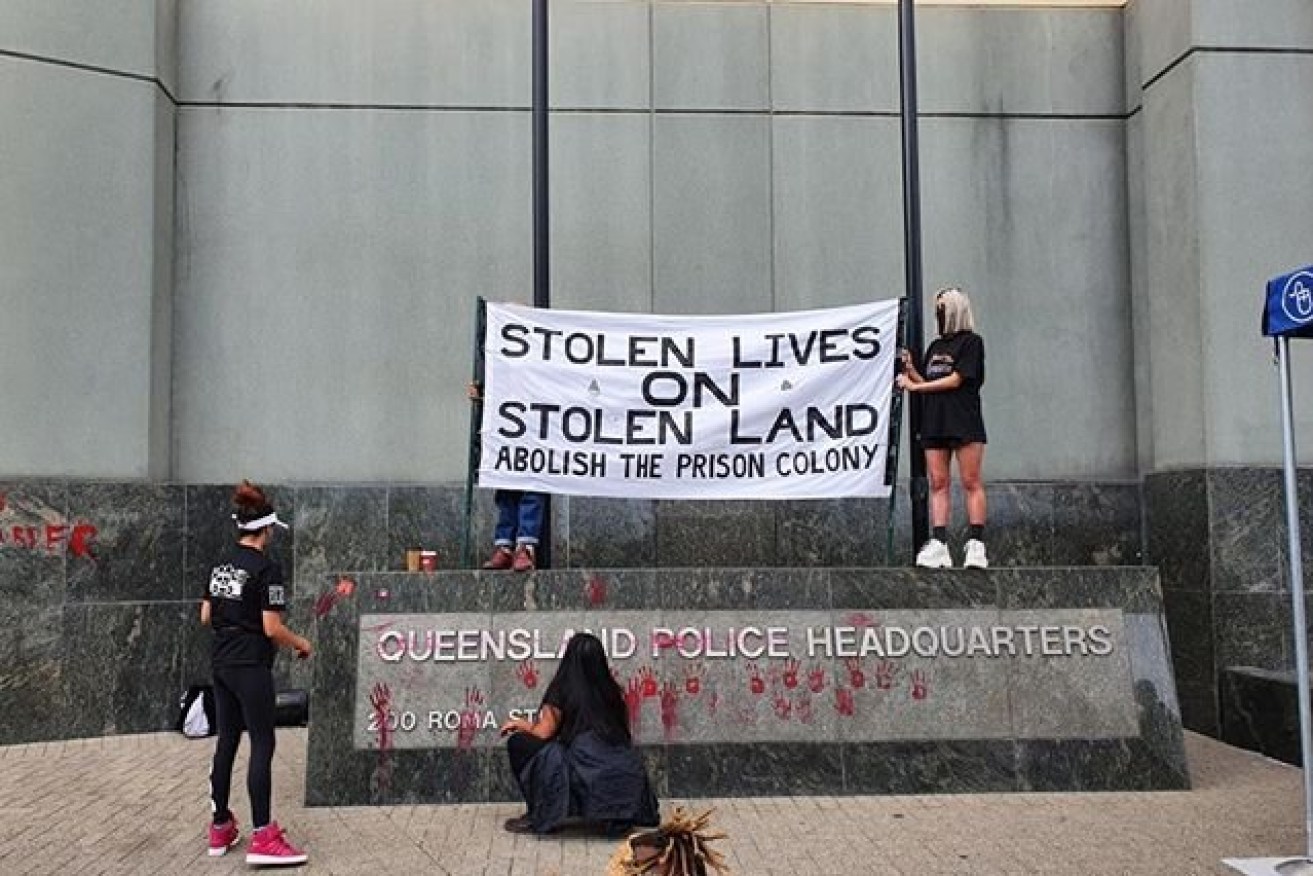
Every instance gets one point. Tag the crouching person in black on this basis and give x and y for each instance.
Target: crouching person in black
(577, 760)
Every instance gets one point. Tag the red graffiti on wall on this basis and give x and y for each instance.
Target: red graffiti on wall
(528, 673)
(669, 708)
(51, 537)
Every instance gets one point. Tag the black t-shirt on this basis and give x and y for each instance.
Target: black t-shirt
(955, 415)
(241, 587)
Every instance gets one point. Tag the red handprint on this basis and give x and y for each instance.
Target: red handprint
(856, 677)
(791, 673)
(804, 709)
(816, 679)
(380, 700)
(469, 718)
(669, 708)
(884, 675)
(783, 708)
(528, 673)
(595, 590)
(634, 702)
(920, 685)
(756, 683)
(648, 678)
(843, 701)
(693, 679)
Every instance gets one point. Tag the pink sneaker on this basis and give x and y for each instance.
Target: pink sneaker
(270, 846)
(223, 836)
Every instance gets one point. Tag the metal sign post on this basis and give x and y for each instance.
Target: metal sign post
(1288, 312)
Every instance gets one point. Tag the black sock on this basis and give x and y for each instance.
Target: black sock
(940, 533)
(976, 531)
(222, 819)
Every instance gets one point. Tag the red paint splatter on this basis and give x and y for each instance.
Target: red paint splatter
(856, 677)
(783, 708)
(861, 620)
(345, 587)
(816, 679)
(595, 590)
(693, 680)
(920, 686)
(791, 673)
(669, 708)
(469, 718)
(756, 683)
(634, 703)
(663, 640)
(843, 701)
(884, 675)
(79, 544)
(380, 700)
(804, 709)
(712, 702)
(528, 673)
(648, 678)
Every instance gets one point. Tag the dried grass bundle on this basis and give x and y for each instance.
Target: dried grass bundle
(681, 846)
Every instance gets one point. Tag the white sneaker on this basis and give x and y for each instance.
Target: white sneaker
(935, 555)
(975, 555)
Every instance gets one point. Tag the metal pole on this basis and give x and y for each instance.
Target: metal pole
(1297, 587)
(912, 258)
(542, 277)
(476, 425)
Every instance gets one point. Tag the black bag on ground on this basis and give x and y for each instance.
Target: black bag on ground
(196, 712)
(291, 708)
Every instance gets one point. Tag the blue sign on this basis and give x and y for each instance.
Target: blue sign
(1289, 306)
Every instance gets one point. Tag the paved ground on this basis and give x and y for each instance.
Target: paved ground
(137, 805)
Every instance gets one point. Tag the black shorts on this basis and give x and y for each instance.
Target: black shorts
(941, 443)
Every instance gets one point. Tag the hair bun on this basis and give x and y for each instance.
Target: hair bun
(249, 497)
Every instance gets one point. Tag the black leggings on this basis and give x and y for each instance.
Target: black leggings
(243, 700)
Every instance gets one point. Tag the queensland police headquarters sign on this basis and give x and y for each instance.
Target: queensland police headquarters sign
(784, 405)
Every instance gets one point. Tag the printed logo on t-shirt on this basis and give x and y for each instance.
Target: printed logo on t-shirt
(276, 595)
(227, 582)
(940, 365)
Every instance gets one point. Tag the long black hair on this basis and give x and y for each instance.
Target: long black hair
(587, 695)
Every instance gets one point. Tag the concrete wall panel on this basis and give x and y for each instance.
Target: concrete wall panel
(602, 211)
(710, 56)
(1029, 217)
(834, 58)
(711, 214)
(838, 211)
(971, 60)
(328, 266)
(600, 54)
(396, 52)
(1254, 195)
(77, 270)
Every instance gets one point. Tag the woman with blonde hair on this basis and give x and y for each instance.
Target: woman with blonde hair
(952, 425)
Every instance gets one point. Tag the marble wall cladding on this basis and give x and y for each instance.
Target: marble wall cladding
(1219, 539)
(136, 550)
(123, 666)
(340, 529)
(720, 533)
(1176, 530)
(604, 533)
(966, 745)
(1260, 712)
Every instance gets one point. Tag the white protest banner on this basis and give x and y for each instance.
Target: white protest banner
(766, 406)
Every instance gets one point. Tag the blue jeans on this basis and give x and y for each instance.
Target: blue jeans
(519, 517)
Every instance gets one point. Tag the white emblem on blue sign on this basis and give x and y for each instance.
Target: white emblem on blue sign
(1297, 298)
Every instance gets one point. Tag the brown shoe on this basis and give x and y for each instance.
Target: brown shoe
(501, 559)
(525, 559)
(519, 824)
